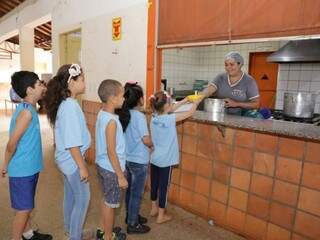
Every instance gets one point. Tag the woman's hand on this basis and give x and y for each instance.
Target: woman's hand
(84, 174)
(230, 103)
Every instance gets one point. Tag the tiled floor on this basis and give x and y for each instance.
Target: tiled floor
(48, 214)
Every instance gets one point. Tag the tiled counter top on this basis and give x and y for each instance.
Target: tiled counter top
(290, 129)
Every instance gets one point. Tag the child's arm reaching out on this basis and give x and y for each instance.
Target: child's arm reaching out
(111, 132)
(22, 123)
(184, 115)
(178, 104)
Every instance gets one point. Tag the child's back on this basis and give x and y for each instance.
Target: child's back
(164, 138)
(136, 150)
(166, 149)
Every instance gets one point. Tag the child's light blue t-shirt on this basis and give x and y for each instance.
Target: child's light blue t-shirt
(27, 159)
(165, 140)
(136, 151)
(70, 131)
(102, 158)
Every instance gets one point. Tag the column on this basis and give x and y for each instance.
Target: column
(26, 42)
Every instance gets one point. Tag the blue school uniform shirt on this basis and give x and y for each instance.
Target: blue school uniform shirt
(136, 151)
(102, 158)
(70, 131)
(165, 140)
(27, 159)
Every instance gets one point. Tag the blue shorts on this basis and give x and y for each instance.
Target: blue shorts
(22, 191)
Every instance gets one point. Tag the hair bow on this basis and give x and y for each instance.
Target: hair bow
(74, 70)
(132, 82)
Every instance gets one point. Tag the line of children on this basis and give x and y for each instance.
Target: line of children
(23, 155)
(123, 146)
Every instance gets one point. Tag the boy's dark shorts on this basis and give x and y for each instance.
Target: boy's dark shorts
(110, 187)
(22, 192)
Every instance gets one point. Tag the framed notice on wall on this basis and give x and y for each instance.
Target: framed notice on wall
(116, 28)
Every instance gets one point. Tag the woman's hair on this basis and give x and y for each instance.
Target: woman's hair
(236, 56)
(158, 100)
(57, 89)
(132, 95)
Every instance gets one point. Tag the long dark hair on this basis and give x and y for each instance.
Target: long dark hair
(132, 95)
(57, 91)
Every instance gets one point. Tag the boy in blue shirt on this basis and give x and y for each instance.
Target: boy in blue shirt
(23, 154)
(110, 154)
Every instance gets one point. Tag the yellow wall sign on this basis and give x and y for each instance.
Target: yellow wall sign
(116, 28)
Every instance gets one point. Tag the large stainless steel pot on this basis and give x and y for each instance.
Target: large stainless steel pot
(214, 105)
(299, 105)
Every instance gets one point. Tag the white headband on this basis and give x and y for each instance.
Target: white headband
(74, 71)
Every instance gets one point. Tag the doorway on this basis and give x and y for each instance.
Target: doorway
(70, 49)
(265, 74)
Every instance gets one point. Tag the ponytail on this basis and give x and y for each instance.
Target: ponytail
(132, 95)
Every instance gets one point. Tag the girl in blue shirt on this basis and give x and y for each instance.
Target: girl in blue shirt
(72, 139)
(166, 150)
(138, 144)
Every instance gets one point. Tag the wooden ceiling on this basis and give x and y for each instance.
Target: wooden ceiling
(8, 5)
(42, 33)
(42, 37)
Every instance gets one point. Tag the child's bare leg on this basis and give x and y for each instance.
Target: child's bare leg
(101, 222)
(108, 221)
(154, 209)
(20, 223)
(163, 216)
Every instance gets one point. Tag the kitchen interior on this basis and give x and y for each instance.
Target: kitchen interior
(186, 70)
(257, 176)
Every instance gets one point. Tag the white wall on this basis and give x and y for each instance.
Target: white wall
(182, 66)
(121, 60)
(100, 56)
(94, 19)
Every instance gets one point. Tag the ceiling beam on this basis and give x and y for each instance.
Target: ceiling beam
(10, 4)
(47, 28)
(5, 7)
(41, 34)
(40, 29)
